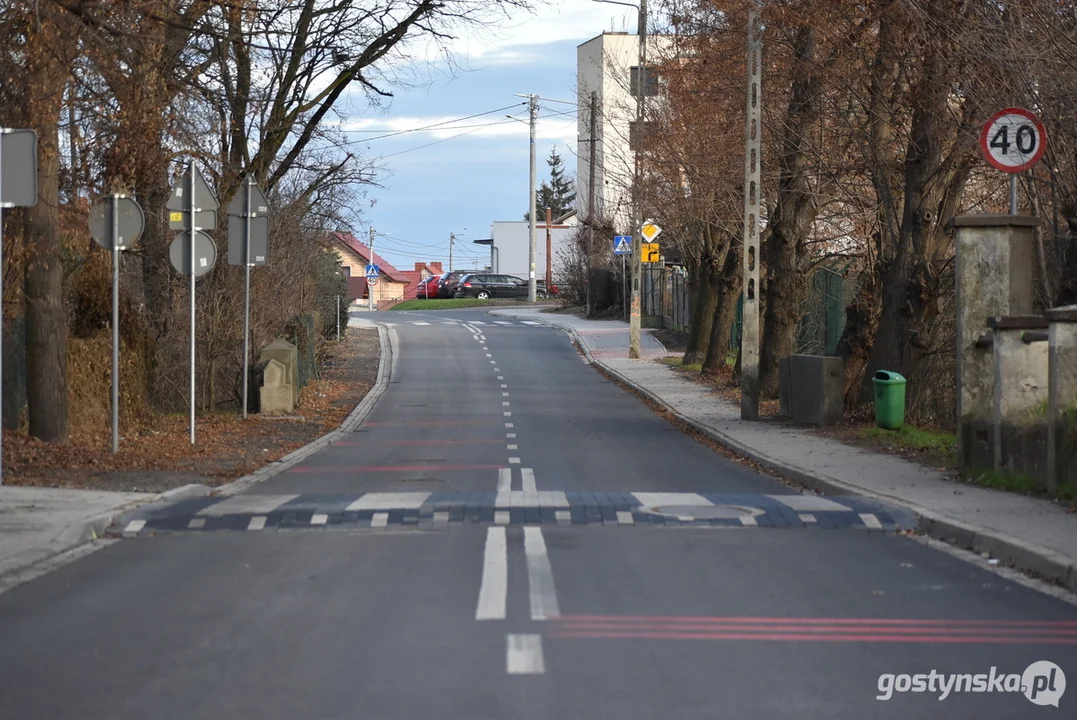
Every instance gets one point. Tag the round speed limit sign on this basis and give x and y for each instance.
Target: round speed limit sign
(1013, 140)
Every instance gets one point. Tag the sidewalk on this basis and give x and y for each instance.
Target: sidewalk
(1028, 533)
(38, 523)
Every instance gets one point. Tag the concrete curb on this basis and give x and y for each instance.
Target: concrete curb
(1009, 550)
(386, 364)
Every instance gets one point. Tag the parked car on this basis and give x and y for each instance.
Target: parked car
(427, 289)
(488, 285)
(447, 288)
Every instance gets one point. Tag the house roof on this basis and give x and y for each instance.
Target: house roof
(352, 243)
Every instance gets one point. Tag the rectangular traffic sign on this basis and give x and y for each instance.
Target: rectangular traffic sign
(649, 252)
(622, 245)
(181, 219)
(18, 168)
(259, 250)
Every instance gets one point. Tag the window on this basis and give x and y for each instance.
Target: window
(633, 133)
(650, 81)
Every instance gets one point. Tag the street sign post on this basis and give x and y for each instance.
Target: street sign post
(193, 252)
(248, 245)
(18, 188)
(116, 223)
(1013, 140)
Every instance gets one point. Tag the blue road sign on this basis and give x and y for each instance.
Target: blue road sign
(373, 271)
(622, 245)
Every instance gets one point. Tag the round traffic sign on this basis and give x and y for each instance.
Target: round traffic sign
(130, 222)
(1013, 140)
(205, 254)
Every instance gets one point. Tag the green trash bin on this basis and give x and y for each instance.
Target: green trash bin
(889, 400)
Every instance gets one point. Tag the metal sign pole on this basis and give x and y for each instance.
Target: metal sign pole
(1013, 193)
(194, 235)
(246, 289)
(338, 318)
(115, 228)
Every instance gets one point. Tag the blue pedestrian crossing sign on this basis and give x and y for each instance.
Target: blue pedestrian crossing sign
(622, 245)
(372, 273)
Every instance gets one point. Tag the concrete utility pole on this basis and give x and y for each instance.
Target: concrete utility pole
(369, 285)
(591, 201)
(549, 248)
(637, 188)
(532, 108)
(452, 241)
(749, 335)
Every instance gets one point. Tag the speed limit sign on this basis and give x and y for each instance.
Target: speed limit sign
(1013, 140)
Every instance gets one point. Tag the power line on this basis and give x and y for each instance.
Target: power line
(437, 142)
(428, 127)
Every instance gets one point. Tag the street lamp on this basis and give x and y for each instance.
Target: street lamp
(637, 182)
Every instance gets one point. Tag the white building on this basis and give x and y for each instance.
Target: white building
(510, 252)
(608, 65)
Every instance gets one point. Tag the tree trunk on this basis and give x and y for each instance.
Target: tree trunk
(705, 292)
(46, 329)
(861, 323)
(785, 253)
(725, 309)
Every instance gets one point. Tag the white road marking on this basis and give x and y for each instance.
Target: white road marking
(500, 378)
(507, 413)
(485, 348)
(448, 323)
(477, 322)
(504, 479)
(511, 447)
(441, 516)
(243, 504)
(871, 521)
(390, 501)
(806, 517)
(504, 403)
(809, 503)
(488, 354)
(258, 522)
(658, 499)
(504, 394)
(523, 655)
(510, 435)
(503, 384)
(379, 520)
(494, 590)
(625, 518)
(514, 461)
(502, 322)
(686, 518)
(563, 517)
(196, 524)
(528, 478)
(496, 370)
(530, 322)
(319, 519)
(491, 362)
(748, 521)
(531, 499)
(501, 517)
(508, 425)
(540, 576)
(420, 323)
(134, 527)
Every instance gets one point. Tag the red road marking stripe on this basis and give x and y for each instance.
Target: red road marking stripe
(375, 443)
(813, 628)
(780, 620)
(428, 423)
(393, 468)
(794, 637)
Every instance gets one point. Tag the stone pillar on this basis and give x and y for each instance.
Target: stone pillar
(1020, 379)
(1062, 402)
(994, 277)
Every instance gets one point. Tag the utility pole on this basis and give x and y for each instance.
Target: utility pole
(591, 201)
(549, 249)
(637, 187)
(452, 240)
(532, 107)
(369, 285)
(749, 336)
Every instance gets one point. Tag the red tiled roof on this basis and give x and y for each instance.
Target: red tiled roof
(352, 243)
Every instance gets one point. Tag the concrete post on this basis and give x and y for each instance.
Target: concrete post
(994, 278)
(1062, 396)
(1020, 384)
(753, 204)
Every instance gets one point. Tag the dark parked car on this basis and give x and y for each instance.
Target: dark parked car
(450, 280)
(491, 285)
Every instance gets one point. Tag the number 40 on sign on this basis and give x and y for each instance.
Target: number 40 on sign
(1013, 140)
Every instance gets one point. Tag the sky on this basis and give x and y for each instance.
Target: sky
(460, 176)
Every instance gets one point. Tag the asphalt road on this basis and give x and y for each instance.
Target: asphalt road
(449, 560)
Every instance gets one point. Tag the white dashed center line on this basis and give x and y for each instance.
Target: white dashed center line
(508, 425)
(524, 655)
(511, 447)
(504, 479)
(493, 591)
(514, 461)
(528, 480)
